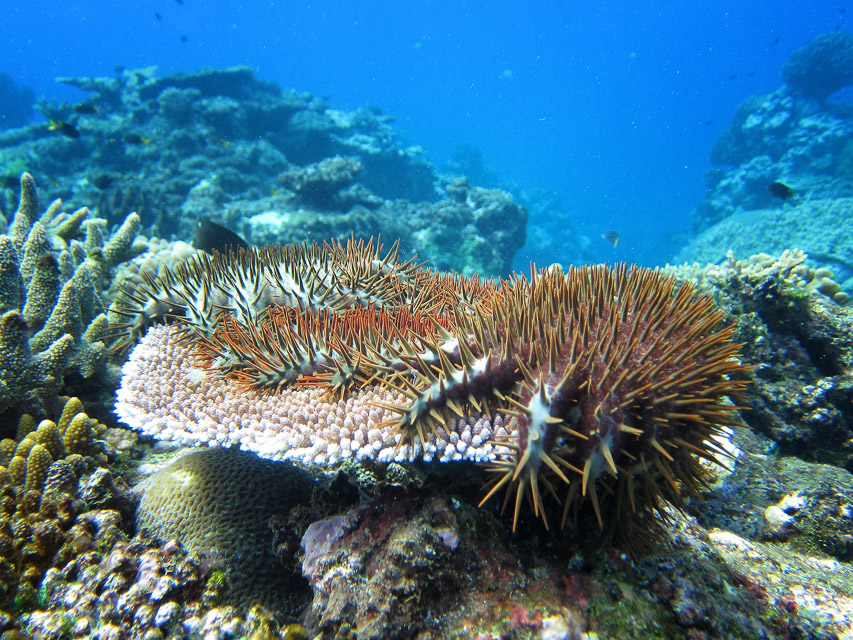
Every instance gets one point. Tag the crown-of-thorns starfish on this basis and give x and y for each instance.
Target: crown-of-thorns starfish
(617, 380)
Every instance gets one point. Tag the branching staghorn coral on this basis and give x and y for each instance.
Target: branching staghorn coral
(599, 384)
(54, 268)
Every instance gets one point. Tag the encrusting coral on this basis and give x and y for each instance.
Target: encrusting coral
(611, 382)
(54, 268)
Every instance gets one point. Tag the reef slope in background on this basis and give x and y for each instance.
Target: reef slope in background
(275, 165)
(800, 136)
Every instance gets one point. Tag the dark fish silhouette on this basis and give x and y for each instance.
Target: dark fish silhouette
(612, 237)
(66, 129)
(183, 38)
(780, 190)
(157, 16)
(135, 138)
(210, 237)
(101, 181)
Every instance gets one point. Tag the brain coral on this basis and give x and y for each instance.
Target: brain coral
(218, 503)
(608, 382)
(823, 66)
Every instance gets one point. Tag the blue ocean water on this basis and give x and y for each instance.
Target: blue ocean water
(613, 109)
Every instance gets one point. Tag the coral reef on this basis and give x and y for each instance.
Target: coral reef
(823, 66)
(55, 502)
(778, 136)
(795, 140)
(472, 230)
(68, 564)
(319, 185)
(55, 269)
(230, 528)
(819, 227)
(276, 166)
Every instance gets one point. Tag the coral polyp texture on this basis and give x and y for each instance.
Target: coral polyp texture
(598, 384)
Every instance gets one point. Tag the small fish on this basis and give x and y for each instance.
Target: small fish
(135, 138)
(86, 109)
(780, 190)
(183, 38)
(777, 40)
(101, 181)
(708, 123)
(157, 16)
(733, 76)
(66, 129)
(612, 237)
(118, 70)
(180, 1)
(210, 237)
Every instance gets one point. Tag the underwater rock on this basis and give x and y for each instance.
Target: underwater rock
(378, 571)
(823, 66)
(430, 565)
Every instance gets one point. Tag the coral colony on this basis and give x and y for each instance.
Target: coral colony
(605, 384)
